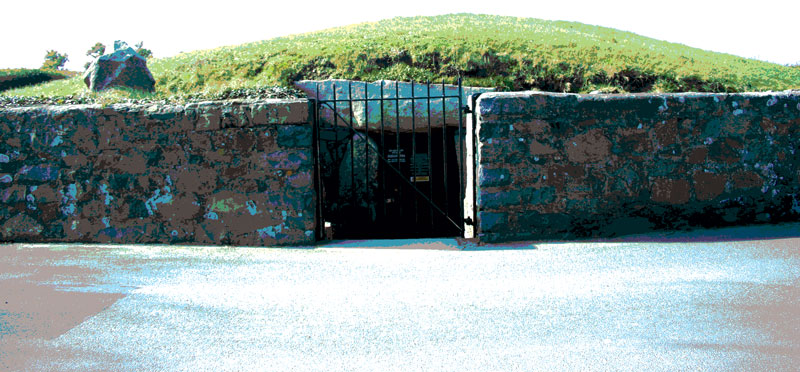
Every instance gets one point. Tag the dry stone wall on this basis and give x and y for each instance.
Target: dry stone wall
(564, 165)
(232, 172)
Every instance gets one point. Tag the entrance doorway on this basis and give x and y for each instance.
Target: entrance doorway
(391, 160)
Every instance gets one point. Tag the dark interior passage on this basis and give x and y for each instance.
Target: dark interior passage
(392, 186)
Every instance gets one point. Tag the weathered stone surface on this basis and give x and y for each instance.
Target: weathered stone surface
(589, 147)
(20, 226)
(667, 161)
(143, 174)
(122, 68)
(490, 177)
(280, 112)
(491, 221)
(672, 191)
(746, 180)
(708, 186)
(38, 173)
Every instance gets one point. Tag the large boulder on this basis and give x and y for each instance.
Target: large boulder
(122, 68)
(370, 114)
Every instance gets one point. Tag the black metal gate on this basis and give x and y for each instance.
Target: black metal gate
(390, 165)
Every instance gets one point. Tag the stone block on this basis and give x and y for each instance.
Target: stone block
(285, 160)
(163, 113)
(726, 150)
(196, 179)
(777, 127)
(630, 141)
(492, 221)
(534, 128)
(186, 121)
(300, 180)
(537, 148)
(234, 116)
(172, 156)
(280, 112)
(233, 174)
(244, 140)
(669, 190)
(45, 193)
(491, 177)
(524, 175)
(501, 150)
(666, 132)
(664, 166)
(536, 221)
(697, 155)
(85, 139)
(209, 117)
(746, 180)
(293, 136)
(487, 130)
(499, 199)
(590, 147)
(38, 173)
(540, 195)
(12, 194)
(132, 161)
(708, 186)
(266, 139)
(21, 226)
(183, 209)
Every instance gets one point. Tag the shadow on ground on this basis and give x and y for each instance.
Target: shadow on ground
(727, 234)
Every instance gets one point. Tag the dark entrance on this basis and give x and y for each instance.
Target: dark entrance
(390, 160)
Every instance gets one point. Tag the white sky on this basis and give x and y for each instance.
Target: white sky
(766, 30)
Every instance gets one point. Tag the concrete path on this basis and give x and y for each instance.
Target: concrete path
(725, 300)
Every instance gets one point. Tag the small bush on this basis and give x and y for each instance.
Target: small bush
(54, 60)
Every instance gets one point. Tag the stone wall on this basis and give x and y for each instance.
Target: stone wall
(564, 165)
(230, 172)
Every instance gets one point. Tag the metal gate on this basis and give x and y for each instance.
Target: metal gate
(388, 164)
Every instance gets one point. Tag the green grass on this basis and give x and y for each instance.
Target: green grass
(504, 52)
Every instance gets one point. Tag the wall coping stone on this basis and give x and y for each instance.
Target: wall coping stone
(284, 111)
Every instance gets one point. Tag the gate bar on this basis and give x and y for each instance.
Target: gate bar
(318, 184)
(397, 137)
(366, 150)
(461, 149)
(352, 149)
(383, 152)
(444, 149)
(414, 150)
(430, 157)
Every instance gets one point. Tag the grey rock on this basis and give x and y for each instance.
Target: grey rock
(370, 114)
(122, 68)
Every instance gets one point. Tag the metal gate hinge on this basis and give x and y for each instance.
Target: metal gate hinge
(467, 110)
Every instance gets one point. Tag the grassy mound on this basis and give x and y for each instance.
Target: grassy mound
(21, 77)
(504, 52)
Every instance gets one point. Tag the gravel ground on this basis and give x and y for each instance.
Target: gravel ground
(710, 301)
